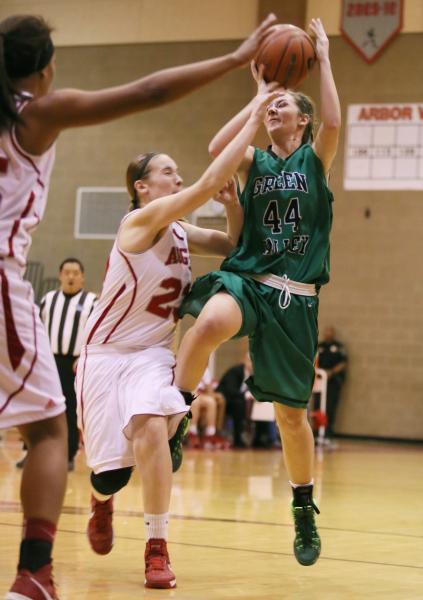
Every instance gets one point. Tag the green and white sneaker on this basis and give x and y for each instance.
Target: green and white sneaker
(175, 442)
(307, 543)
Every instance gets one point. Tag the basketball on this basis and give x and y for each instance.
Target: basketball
(288, 55)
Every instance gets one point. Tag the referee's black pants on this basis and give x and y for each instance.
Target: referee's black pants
(67, 378)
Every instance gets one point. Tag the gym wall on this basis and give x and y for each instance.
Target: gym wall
(375, 295)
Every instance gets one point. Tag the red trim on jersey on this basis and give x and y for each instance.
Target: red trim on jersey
(13, 394)
(134, 293)
(4, 163)
(105, 311)
(180, 237)
(15, 348)
(12, 235)
(16, 223)
(26, 157)
(28, 205)
(173, 373)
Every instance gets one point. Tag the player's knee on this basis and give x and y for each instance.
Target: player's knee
(54, 428)
(291, 419)
(214, 329)
(208, 402)
(148, 433)
(110, 482)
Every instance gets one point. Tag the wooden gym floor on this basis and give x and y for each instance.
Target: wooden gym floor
(231, 532)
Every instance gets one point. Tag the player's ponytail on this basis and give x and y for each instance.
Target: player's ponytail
(8, 112)
(306, 107)
(137, 169)
(25, 48)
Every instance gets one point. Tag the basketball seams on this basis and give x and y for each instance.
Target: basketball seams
(262, 49)
(278, 66)
(288, 56)
(291, 68)
(310, 42)
(303, 71)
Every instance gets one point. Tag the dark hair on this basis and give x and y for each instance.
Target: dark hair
(71, 260)
(306, 107)
(137, 169)
(25, 48)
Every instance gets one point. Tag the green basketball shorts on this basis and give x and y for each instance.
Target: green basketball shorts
(282, 342)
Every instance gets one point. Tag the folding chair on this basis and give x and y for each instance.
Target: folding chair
(320, 387)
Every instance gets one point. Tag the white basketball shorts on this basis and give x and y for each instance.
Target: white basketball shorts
(30, 388)
(112, 386)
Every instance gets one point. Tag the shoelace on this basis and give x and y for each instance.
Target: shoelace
(305, 526)
(158, 563)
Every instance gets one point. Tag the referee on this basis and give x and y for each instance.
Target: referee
(64, 313)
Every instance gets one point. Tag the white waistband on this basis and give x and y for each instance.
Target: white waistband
(283, 283)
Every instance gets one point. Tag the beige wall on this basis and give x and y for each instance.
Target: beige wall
(94, 22)
(375, 296)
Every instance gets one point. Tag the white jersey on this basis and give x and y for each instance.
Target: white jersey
(24, 183)
(141, 294)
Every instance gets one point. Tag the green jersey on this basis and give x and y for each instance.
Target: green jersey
(287, 218)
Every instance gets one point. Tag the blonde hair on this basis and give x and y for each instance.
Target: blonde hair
(306, 107)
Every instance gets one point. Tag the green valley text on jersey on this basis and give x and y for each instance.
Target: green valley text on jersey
(287, 218)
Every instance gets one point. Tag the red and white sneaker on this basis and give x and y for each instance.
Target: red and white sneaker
(158, 573)
(193, 441)
(218, 442)
(100, 526)
(33, 586)
(209, 442)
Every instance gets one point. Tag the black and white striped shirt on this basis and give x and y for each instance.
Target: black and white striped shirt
(64, 316)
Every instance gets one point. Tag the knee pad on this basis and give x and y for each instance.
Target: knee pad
(110, 482)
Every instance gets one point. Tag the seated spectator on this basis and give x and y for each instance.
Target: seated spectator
(266, 435)
(208, 415)
(332, 357)
(237, 397)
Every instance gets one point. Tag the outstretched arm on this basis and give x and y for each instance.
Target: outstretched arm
(211, 242)
(140, 229)
(229, 130)
(73, 108)
(232, 127)
(326, 142)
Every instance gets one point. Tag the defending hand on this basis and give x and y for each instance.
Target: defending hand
(248, 49)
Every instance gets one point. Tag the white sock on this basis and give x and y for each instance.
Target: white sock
(156, 526)
(193, 429)
(296, 485)
(100, 497)
(210, 430)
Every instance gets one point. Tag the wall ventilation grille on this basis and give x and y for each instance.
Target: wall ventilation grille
(99, 211)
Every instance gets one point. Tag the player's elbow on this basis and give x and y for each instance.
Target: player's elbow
(213, 149)
(228, 246)
(153, 91)
(155, 94)
(333, 123)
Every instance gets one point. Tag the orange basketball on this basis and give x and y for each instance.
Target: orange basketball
(288, 55)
